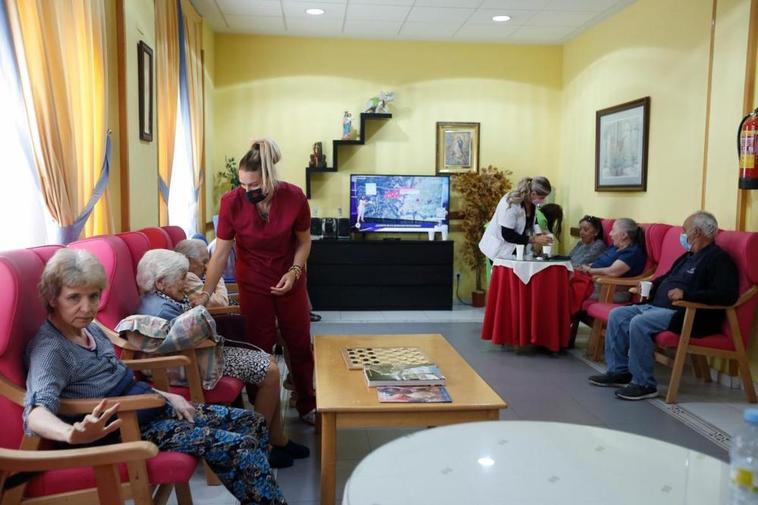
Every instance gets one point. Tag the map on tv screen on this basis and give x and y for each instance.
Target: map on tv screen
(391, 202)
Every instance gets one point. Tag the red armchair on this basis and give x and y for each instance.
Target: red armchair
(21, 315)
(732, 342)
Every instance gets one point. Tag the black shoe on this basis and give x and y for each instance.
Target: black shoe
(315, 317)
(611, 380)
(295, 450)
(279, 458)
(637, 392)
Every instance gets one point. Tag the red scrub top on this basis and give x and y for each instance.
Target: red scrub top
(265, 250)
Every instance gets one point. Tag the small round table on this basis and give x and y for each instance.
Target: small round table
(528, 303)
(535, 463)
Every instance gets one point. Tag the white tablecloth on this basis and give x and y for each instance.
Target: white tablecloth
(525, 269)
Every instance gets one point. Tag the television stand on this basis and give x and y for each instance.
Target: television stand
(381, 275)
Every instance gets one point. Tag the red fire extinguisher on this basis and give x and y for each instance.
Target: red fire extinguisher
(747, 145)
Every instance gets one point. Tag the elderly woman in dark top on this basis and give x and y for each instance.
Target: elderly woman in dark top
(70, 357)
(161, 277)
(591, 244)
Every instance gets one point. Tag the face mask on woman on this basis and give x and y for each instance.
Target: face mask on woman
(255, 195)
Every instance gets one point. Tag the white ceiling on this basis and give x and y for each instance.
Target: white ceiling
(532, 21)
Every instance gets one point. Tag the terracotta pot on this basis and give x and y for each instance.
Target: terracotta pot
(478, 298)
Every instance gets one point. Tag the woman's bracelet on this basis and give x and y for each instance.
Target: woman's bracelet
(298, 271)
(207, 294)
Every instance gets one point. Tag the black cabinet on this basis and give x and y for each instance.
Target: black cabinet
(381, 275)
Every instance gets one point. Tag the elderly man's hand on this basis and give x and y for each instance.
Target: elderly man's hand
(675, 294)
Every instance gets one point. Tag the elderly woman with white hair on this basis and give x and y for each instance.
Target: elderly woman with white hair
(161, 277)
(70, 357)
(197, 254)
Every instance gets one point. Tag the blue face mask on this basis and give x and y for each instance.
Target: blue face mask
(683, 240)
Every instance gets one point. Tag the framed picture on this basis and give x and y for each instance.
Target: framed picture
(621, 140)
(145, 90)
(457, 148)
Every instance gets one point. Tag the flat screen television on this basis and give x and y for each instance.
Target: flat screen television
(392, 203)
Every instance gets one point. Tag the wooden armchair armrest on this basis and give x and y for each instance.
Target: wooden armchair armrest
(127, 404)
(157, 363)
(33, 461)
(229, 309)
(620, 281)
(747, 295)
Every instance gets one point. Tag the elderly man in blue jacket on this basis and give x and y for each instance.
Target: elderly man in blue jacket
(703, 274)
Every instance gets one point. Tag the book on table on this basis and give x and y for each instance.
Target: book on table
(394, 374)
(413, 394)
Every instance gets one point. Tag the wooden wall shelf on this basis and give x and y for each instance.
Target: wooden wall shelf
(365, 116)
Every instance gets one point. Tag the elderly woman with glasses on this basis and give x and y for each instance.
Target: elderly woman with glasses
(70, 357)
(161, 277)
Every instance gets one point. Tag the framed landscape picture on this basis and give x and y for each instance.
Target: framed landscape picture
(457, 148)
(145, 90)
(621, 144)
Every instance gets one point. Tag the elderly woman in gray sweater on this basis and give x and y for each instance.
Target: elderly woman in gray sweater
(70, 357)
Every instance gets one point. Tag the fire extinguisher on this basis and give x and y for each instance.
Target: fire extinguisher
(747, 144)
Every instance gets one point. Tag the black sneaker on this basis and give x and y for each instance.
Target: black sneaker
(637, 392)
(611, 380)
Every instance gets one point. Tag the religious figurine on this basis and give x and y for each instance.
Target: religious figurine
(318, 158)
(347, 126)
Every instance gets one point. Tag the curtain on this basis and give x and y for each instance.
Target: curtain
(193, 43)
(167, 74)
(60, 48)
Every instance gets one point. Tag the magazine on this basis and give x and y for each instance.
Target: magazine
(389, 374)
(413, 394)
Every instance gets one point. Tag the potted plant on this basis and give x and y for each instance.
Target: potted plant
(480, 193)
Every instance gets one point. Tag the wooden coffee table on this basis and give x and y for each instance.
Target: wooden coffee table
(344, 401)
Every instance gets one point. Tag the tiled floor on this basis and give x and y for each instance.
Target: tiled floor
(536, 387)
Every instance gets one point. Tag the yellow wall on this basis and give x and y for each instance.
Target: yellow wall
(652, 48)
(296, 89)
(139, 24)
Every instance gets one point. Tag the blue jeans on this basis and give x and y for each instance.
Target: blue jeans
(629, 343)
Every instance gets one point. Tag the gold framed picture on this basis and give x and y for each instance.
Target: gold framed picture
(457, 148)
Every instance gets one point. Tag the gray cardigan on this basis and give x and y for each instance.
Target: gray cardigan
(583, 254)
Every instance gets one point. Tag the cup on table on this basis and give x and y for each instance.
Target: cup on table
(520, 252)
(645, 287)
(547, 250)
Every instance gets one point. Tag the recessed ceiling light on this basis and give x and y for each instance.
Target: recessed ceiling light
(500, 19)
(314, 12)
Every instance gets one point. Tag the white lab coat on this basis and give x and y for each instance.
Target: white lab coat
(513, 216)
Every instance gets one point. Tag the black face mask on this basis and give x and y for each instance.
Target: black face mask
(255, 195)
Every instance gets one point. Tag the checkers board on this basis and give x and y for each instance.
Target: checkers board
(357, 357)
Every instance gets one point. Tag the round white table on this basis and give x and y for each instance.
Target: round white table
(535, 463)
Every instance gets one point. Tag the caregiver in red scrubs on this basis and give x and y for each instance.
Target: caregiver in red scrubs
(269, 220)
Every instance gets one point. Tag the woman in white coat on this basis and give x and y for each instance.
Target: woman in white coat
(513, 221)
